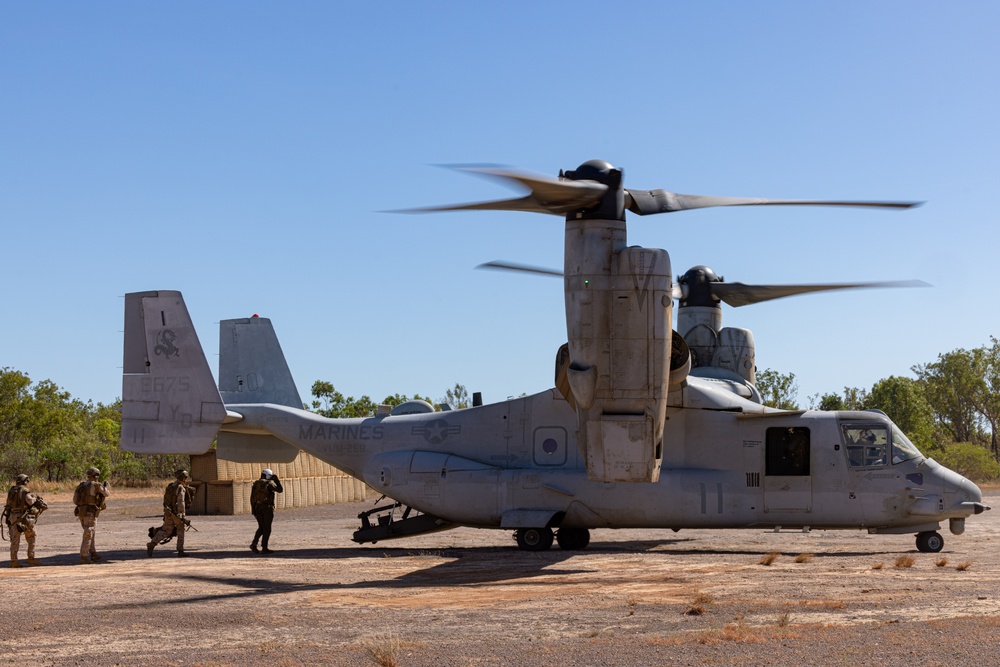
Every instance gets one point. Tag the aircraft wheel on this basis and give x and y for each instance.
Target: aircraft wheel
(930, 542)
(573, 539)
(534, 539)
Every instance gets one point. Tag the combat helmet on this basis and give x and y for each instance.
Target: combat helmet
(21, 479)
(181, 473)
(93, 472)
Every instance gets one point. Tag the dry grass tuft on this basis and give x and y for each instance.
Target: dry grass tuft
(383, 650)
(877, 566)
(270, 647)
(699, 605)
(823, 604)
(941, 562)
(742, 633)
(769, 558)
(962, 567)
(803, 558)
(905, 561)
(784, 619)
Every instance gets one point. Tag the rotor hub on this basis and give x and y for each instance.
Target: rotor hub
(698, 280)
(612, 204)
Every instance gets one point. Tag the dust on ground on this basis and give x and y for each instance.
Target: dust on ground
(470, 597)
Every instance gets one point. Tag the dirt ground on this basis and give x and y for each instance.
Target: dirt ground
(470, 597)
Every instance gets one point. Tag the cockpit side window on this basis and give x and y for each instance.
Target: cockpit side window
(867, 445)
(787, 451)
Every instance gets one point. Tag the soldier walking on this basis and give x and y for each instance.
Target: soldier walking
(20, 512)
(89, 499)
(176, 499)
(262, 505)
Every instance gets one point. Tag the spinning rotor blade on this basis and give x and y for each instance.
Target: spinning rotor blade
(677, 291)
(649, 202)
(548, 195)
(523, 268)
(741, 294)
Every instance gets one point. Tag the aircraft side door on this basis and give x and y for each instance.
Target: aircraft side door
(787, 469)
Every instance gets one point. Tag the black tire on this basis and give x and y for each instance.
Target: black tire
(573, 539)
(930, 542)
(534, 539)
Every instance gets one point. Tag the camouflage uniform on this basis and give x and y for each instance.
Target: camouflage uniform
(176, 499)
(90, 496)
(262, 499)
(19, 506)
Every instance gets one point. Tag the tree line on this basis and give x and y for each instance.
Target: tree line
(950, 409)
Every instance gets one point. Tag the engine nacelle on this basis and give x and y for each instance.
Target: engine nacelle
(619, 316)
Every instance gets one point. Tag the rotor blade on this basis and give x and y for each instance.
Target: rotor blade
(676, 291)
(555, 196)
(648, 202)
(741, 294)
(521, 268)
(528, 204)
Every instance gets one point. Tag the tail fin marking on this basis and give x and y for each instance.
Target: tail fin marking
(170, 404)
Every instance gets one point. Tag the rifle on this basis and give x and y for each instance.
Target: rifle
(186, 522)
(4, 519)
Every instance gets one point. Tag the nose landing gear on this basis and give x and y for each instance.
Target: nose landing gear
(929, 542)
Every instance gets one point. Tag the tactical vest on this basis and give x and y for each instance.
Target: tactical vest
(177, 497)
(89, 493)
(17, 499)
(261, 493)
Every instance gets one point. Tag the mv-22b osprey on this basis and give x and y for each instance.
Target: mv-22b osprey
(645, 426)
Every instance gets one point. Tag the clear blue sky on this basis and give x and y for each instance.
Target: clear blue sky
(241, 152)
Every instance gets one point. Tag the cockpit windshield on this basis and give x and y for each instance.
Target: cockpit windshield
(868, 445)
(902, 448)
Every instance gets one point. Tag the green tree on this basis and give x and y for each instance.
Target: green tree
(457, 397)
(777, 390)
(953, 386)
(967, 459)
(852, 399)
(332, 403)
(903, 400)
(988, 401)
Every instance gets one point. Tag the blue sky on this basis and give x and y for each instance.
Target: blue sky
(243, 153)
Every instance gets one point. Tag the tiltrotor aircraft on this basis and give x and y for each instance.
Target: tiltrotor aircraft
(645, 426)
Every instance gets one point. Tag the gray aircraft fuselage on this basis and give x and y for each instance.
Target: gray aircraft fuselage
(515, 464)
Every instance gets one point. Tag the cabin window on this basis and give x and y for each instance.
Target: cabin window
(867, 445)
(787, 451)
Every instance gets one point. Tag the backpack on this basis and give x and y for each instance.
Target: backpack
(259, 493)
(80, 494)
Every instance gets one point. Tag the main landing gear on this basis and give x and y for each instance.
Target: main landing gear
(930, 542)
(540, 539)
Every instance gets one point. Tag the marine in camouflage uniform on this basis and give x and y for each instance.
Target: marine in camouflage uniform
(20, 519)
(262, 499)
(90, 496)
(176, 499)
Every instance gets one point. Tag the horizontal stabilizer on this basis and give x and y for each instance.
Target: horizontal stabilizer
(170, 404)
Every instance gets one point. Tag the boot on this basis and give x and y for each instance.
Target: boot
(95, 557)
(253, 548)
(84, 560)
(149, 549)
(14, 563)
(181, 554)
(33, 561)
